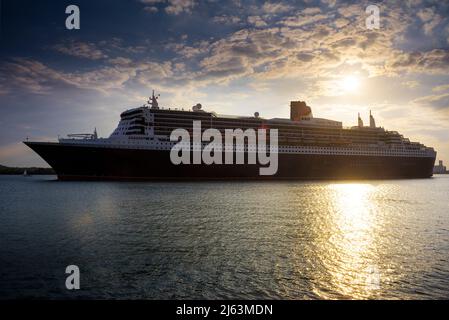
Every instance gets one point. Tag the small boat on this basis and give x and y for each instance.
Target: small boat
(26, 174)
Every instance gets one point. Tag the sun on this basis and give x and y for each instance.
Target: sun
(350, 84)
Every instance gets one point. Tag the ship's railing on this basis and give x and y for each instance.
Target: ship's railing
(83, 136)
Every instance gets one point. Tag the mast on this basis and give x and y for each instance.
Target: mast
(153, 101)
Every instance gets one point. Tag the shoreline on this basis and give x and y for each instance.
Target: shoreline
(4, 170)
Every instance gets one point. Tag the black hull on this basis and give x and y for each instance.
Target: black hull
(95, 163)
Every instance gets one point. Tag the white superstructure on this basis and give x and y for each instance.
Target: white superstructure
(149, 127)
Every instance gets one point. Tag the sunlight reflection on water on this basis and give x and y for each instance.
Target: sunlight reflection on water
(292, 240)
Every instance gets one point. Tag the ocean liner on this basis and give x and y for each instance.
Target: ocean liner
(308, 148)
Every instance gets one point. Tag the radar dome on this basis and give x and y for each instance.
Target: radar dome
(197, 107)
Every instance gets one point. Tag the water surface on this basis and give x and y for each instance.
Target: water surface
(219, 240)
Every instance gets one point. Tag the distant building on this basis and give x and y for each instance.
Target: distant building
(440, 168)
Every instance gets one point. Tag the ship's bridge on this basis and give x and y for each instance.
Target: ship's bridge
(137, 121)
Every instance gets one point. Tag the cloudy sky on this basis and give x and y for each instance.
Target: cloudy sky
(234, 57)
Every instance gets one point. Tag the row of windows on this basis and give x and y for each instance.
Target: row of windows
(315, 149)
(288, 133)
(288, 149)
(300, 138)
(236, 123)
(345, 133)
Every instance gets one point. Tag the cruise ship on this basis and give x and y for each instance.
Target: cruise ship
(308, 148)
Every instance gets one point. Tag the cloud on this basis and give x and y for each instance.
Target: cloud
(430, 19)
(444, 87)
(435, 61)
(341, 22)
(275, 7)
(120, 61)
(226, 19)
(303, 43)
(179, 6)
(242, 52)
(330, 3)
(310, 43)
(116, 76)
(39, 78)
(353, 10)
(117, 44)
(440, 101)
(256, 21)
(87, 50)
(173, 7)
(306, 17)
(31, 75)
(150, 5)
(426, 14)
(102, 49)
(410, 84)
(304, 56)
(151, 9)
(197, 49)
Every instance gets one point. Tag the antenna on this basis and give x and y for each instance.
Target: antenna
(153, 101)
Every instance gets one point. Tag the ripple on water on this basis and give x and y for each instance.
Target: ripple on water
(289, 240)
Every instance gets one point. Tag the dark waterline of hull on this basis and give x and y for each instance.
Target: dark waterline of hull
(95, 163)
